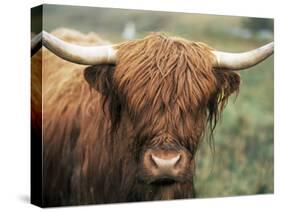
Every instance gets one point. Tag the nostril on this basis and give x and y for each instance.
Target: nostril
(152, 161)
(165, 162)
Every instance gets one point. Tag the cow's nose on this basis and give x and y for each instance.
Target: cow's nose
(164, 163)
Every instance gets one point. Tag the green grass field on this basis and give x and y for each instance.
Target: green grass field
(242, 162)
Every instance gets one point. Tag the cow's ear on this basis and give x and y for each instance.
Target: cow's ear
(99, 77)
(227, 83)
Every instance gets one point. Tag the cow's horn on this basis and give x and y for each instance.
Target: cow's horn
(36, 43)
(239, 61)
(85, 55)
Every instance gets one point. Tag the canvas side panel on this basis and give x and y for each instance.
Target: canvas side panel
(36, 110)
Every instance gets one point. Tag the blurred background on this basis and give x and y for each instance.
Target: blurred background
(241, 162)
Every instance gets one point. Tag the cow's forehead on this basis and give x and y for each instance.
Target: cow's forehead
(160, 68)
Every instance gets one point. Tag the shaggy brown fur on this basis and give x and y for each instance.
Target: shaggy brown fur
(98, 122)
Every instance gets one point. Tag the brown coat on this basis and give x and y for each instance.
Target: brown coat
(98, 120)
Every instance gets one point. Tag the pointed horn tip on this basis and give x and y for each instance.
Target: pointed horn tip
(267, 47)
(240, 61)
(36, 42)
(271, 46)
(84, 55)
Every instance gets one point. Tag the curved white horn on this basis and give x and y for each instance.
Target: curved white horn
(36, 43)
(239, 61)
(85, 55)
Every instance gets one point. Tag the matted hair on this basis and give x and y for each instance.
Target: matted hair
(159, 73)
(164, 84)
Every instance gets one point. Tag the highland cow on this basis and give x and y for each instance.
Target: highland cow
(127, 127)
